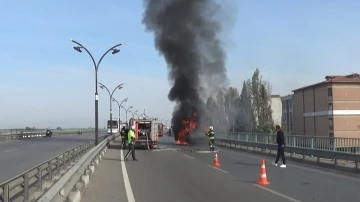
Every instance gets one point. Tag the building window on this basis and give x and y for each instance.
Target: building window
(284, 104)
(331, 124)
(331, 134)
(329, 91)
(330, 94)
(330, 106)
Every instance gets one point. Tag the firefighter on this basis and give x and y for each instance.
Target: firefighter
(211, 135)
(131, 143)
(123, 137)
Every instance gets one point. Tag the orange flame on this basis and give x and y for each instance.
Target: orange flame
(187, 127)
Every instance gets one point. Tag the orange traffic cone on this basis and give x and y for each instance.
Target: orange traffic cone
(216, 161)
(262, 178)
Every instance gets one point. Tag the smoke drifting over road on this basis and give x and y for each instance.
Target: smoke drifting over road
(186, 34)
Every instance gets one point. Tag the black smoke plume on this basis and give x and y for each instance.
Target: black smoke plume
(187, 35)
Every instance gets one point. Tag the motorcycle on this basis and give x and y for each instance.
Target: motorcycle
(48, 133)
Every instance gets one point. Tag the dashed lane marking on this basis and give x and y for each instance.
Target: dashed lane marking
(320, 171)
(277, 193)
(157, 150)
(34, 145)
(190, 157)
(11, 150)
(219, 169)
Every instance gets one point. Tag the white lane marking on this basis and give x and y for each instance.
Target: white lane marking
(11, 150)
(5, 141)
(157, 150)
(325, 172)
(219, 169)
(277, 193)
(128, 189)
(190, 157)
(34, 145)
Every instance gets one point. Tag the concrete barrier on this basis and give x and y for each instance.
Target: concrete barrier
(71, 186)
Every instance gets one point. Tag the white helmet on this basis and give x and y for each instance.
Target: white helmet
(211, 128)
(133, 127)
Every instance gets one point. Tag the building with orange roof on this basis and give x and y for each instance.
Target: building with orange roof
(328, 108)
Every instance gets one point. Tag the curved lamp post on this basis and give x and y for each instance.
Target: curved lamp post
(126, 110)
(102, 86)
(120, 104)
(133, 113)
(96, 65)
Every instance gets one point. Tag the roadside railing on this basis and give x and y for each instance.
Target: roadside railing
(335, 149)
(347, 145)
(16, 131)
(30, 185)
(42, 133)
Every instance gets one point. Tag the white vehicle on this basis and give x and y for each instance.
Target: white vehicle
(113, 126)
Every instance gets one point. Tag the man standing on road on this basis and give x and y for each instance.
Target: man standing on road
(280, 140)
(131, 144)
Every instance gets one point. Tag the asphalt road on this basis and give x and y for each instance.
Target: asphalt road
(17, 156)
(181, 175)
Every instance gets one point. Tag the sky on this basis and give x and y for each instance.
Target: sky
(46, 83)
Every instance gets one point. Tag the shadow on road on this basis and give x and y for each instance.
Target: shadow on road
(246, 164)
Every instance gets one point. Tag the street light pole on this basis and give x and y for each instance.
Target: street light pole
(102, 86)
(96, 65)
(120, 104)
(133, 113)
(126, 111)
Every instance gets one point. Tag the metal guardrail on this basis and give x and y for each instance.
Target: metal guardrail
(322, 147)
(347, 145)
(25, 131)
(31, 184)
(42, 134)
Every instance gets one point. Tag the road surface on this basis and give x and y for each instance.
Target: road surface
(17, 156)
(181, 175)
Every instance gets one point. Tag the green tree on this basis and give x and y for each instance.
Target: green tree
(220, 102)
(246, 113)
(265, 115)
(232, 106)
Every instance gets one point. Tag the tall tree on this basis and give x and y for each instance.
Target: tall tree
(232, 105)
(255, 93)
(220, 102)
(246, 113)
(265, 116)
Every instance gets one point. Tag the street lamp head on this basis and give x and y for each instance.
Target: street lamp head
(114, 51)
(78, 49)
(113, 100)
(126, 99)
(71, 40)
(101, 86)
(131, 107)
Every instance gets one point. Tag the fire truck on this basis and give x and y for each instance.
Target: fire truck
(161, 129)
(146, 132)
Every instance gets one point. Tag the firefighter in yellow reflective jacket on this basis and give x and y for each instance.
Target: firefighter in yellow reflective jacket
(131, 143)
(211, 135)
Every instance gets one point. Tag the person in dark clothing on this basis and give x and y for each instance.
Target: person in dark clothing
(123, 137)
(280, 140)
